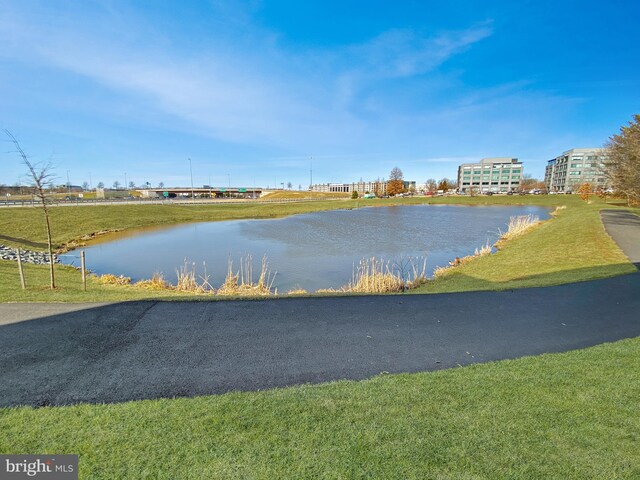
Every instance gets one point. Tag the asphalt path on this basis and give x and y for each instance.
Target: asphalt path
(56, 354)
(624, 228)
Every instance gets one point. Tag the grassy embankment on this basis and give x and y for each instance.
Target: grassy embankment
(298, 195)
(557, 416)
(571, 247)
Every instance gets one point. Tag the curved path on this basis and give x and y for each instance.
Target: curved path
(60, 353)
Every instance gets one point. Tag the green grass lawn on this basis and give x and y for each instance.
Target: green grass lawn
(571, 247)
(557, 416)
(564, 416)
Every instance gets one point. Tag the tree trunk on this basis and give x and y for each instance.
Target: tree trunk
(51, 271)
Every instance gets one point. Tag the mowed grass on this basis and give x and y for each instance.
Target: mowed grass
(556, 416)
(24, 227)
(568, 248)
(571, 247)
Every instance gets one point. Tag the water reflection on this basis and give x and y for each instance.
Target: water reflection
(311, 251)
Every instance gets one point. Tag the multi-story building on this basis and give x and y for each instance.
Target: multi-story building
(376, 187)
(574, 167)
(497, 175)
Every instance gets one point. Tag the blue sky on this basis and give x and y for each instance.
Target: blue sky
(251, 90)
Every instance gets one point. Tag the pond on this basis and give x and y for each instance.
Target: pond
(310, 251)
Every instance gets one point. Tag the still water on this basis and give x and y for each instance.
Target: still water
(310, 251)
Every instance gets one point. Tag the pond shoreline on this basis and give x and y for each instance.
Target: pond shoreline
(317, 250)
(27, 256)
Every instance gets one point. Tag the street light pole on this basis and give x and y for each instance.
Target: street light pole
(68, 184)
(193, 198)
(126, 187)
(310, 175)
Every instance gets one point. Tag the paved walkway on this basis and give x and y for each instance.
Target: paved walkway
(624, 228)
(61, 354)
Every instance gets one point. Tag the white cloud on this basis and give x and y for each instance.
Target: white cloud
(402, 53)
(248, 95)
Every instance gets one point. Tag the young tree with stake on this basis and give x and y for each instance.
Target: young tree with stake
(41, 177)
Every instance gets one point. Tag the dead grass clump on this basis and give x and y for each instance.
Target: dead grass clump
(418, 274)
(241, 283)
(380, 276)
(519, 225)
(479, 252)
(557, 210)
(297, 291)
(188, 281)
(440, 271)
(156, 282)
(110, 279)
(374, 276)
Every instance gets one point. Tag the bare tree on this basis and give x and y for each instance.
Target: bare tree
(395, 185)
(41, 175)
(116, 185)
(161, 185)
(432, 186)
(289, 185)
(396, 174)
(85, 185)
(132, 185)
(100, 185)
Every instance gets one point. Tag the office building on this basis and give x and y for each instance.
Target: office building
(497, 175)
(574, 167)
(377, 187)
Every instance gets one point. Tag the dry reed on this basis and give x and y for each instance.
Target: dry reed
(241, 283)
(519, 225)
(329, 290)
(479, 252)
(188, 281)
(374, 275)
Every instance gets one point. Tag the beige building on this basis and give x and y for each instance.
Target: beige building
(378, 188)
